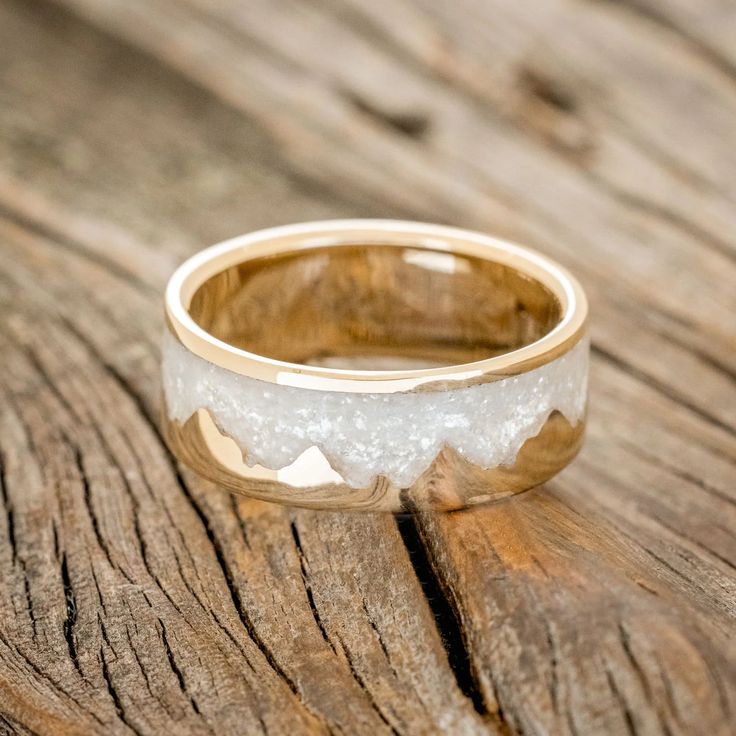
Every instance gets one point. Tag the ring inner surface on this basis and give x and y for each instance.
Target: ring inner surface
(375, 307)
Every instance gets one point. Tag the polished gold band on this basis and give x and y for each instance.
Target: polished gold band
(301, 349)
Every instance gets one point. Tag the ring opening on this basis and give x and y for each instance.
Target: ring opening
(374, 307)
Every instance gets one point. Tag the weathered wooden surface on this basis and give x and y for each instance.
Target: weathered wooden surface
(136, 599)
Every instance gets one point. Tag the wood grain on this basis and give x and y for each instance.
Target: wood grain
(135, 598)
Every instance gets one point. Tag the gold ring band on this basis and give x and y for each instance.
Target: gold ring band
(374, 364)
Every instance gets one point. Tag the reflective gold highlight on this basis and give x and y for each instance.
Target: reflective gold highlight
(376, 307)
(451, 482)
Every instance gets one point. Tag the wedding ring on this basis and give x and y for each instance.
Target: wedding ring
(374, 364)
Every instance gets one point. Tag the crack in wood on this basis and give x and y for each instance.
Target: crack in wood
(445, 616)
(303, 565)
(628, 649)
(683, 475)
(554, 664)
(628, 716)
(688, 538)
(48, 380)
(711, 361)
(241, 522)
(112, 691)
(235, 597)
(7, 506)
(87, 498)
(12, 727)
(176, 669)
(547, 89)
(71, 614)
(45, 677)
(670, 700)
(664, 214)
(381, 641)
(76, 247)
(138, 661)
(16, 559)
(375, 704)
(661, 388)
(414, 125)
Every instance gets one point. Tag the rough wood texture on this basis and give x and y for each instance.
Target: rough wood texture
(135, 598)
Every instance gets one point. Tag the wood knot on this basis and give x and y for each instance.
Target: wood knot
(413, 124)
(548, 107)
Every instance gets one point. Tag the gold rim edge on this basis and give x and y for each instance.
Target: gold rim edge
(337, 233)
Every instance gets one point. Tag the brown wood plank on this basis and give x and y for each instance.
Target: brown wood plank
(136, 598)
